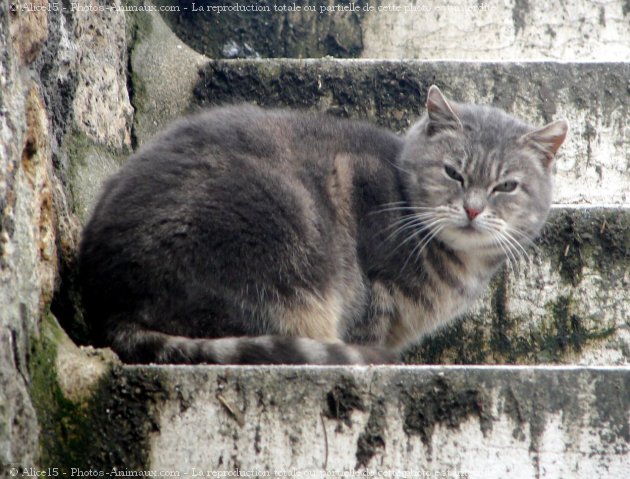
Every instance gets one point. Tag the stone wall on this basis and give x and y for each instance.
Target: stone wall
(65, 120)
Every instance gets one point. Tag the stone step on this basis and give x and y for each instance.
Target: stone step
(592, 168)
(566, 300)
(593, 163)
(419, 421)
(452, 29)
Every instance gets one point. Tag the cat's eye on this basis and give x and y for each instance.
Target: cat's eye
(505, 187)
(453, 174)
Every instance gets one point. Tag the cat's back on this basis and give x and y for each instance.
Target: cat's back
(220, 151)
(243, 161)
(281, 137)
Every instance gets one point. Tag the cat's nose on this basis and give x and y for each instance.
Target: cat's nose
(472, 212)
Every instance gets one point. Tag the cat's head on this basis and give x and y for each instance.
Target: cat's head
(477, 177)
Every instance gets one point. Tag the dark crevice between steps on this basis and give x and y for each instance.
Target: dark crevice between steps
(296, 29)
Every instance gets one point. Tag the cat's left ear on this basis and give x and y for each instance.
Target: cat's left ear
(441, 113)
(547, 139)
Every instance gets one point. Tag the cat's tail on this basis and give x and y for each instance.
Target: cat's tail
(139, 346)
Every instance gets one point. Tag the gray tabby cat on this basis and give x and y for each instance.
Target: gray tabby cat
(248, 236)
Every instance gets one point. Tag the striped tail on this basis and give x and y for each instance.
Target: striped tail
(135, 345)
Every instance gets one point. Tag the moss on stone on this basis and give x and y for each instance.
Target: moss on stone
(598, 238)
(108, 428)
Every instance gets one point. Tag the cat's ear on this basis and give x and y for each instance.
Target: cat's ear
(441, 114)
(547, 139)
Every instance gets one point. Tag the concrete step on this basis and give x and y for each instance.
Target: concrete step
(566, 301)
(569, 30)
(447, 422)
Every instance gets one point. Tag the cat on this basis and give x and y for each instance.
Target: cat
(250, 236)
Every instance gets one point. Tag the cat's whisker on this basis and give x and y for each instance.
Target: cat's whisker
(529, 242)
(503, 229)
(406, 222)
(391, 204)
(517, 243)
(506, 251)
(495, 228)
(402, 225)
(409, 217)
(424, 243)
(515, 255)
(497, 242)
(425, 227)
(390, 208)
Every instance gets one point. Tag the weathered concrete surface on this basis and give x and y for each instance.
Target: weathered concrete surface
(573, 30)
(483, 422)
(593, 165)
(27, 249)
(565, 300)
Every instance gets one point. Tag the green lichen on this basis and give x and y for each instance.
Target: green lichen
(107, 429)
(564, 332)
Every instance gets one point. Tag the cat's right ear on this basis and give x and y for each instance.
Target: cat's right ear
(441, 114)
(547, 140)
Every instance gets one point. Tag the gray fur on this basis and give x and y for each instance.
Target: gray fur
(300, 238)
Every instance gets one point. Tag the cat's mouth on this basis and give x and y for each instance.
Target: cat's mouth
(470, 228)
